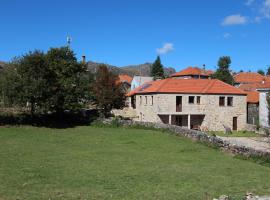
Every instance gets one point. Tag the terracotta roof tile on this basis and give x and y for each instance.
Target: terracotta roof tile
(125, 78)
(188, 86)
(253, 97)
(249, 77)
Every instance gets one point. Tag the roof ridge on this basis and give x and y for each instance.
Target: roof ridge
(210, 84)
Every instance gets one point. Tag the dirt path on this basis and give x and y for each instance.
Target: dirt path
(258, 143)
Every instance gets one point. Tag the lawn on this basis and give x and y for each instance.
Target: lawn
(108, 163)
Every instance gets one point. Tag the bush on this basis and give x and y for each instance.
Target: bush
(54, 120)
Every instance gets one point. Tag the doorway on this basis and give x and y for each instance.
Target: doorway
(235, 123)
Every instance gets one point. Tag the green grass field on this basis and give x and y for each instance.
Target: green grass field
(108, 163)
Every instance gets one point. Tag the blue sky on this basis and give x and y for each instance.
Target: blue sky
(123, 32)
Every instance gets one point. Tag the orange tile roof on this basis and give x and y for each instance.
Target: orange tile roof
(253, 97)
(249, 77)
(188, 86)
(255, 86)
(124, 78)
(193, 71)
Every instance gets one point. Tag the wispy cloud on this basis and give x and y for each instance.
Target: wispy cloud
(227, 35)
(167, 47)
(265, 10)
(249, 2)
(234, 20)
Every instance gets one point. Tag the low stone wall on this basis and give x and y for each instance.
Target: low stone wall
(199, 136)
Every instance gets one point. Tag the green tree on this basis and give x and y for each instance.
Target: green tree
(107, 93)
(51, 82)
(24, 81)
(260, 71)
(268, 70)
(157, 70)
(66, 78)
(223, 72)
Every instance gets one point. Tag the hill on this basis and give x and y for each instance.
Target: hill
(2, 64)
(131, 70)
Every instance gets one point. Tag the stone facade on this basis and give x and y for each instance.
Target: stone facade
(161, 108)
(263, 110)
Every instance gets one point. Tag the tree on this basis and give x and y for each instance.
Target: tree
(51, 82)
(268, 70)
(157, 70)
(260, 71)
(223, 72)
(107, 93)
(24, 81)
(66, 78)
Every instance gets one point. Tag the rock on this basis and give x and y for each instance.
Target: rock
(223, 197)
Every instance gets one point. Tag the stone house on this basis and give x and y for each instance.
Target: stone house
(203, 104)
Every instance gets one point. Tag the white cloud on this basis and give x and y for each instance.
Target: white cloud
(266, 9)
(234, 20)
(249, 2)
(167, 47)
(227, 35)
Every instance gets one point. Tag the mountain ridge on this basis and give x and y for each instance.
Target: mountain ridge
(131, 70)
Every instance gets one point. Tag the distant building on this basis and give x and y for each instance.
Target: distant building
(256, 86)
(125, 81)
(139, 80)
(194, 73)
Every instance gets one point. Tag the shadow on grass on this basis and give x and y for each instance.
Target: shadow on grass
(54, 120)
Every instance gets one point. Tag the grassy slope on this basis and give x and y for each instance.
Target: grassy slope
(95, 163)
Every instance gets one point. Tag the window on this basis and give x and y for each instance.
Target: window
(152, 100)
(140, 100)
(198, 100)
(145, 100)
(230, 101)
(191, 99)
(178, 104)
(221, 101)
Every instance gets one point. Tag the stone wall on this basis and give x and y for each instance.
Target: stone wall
(199, 136)
(215, 116)
(263, 110)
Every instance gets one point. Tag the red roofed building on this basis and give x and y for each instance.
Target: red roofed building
(193, 72)
(249, 77)
(125, 81)
(253, 84)
(193, 103)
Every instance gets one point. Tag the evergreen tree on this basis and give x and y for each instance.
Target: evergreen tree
(268, 70)
(260, 71)
(223, 72)
(107, 93)
(157, 70)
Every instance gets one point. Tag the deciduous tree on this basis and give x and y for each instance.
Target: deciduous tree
(107, 93)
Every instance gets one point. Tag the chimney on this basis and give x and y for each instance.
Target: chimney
(83, 59)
